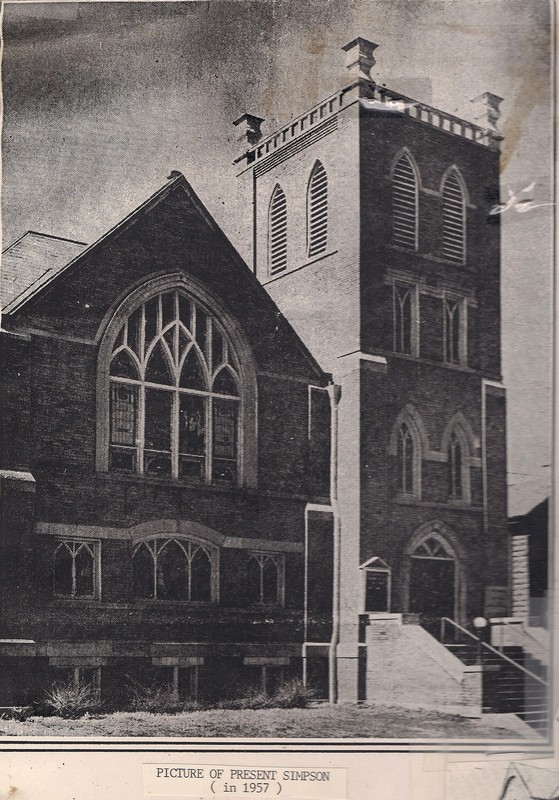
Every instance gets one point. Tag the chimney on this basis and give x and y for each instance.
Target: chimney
(359, 58)
(486, 111)
(249, 129)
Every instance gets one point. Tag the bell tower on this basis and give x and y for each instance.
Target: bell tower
(372, 234)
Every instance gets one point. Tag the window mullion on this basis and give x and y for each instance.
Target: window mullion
(463, 338)
(141, 354)
(154, 556)
(74, 582)
(175, 435)
(209, 437)
(188, 558)
(141, 427)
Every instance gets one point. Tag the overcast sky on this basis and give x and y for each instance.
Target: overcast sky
(102, 100)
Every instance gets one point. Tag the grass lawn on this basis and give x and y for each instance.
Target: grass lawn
(317, 721)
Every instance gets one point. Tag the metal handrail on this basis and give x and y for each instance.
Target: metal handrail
(490, 648)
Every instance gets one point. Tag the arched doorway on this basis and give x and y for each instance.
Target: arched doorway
(433, 580)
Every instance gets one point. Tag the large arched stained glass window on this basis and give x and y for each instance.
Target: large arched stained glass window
(174, 386)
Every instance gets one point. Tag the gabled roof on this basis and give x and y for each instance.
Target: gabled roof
(542, 784)
(32, 290)
(175, 183)
(31, 261)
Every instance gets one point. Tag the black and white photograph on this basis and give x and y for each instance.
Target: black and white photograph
(276, 350)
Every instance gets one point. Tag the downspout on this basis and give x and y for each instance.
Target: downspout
(484, 489)
(334, 393)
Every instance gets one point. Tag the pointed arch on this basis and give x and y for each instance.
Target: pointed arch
(441, 532)
(436, 540)
(454, 196)
(277, 231)
(459, 421)
(458, 446)
(406, 181)
(410, 415)
(408, 443)
(176, 567)
(317, 210)
(164, 420)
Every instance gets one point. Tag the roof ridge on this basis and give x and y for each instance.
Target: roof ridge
(45, 236)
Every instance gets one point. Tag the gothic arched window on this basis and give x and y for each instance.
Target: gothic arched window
(454, 331)
(317, 210)
(406, 339)
(277, 231)
(454, 218)
(405, 203)
(174, 393)
(459, 447)
(174, 569)
(407, 443)
(76, 569)
(455, 468)
(406, 460)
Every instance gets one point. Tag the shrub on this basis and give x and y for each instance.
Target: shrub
(293, 694)
(19, 713)
(71, 701)
(254, 699)
(155, 698)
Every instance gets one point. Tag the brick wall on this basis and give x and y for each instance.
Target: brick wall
(52, 403)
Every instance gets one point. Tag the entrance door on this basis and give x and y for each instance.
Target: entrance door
(432, 585)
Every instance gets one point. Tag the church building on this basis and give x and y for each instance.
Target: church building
(221, 474)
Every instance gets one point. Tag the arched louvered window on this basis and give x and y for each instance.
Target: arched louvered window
(277, 231)
(405, 203)
(174, 392)
(317, 210)
(454, 218)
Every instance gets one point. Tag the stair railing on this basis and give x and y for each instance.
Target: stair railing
(482, 644)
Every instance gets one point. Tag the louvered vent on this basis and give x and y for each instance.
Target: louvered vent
(317, 210)
(278, 231)
(404, 199)
(454, 211)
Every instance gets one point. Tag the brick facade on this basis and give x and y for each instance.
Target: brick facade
(341, 303)
(53, 491)
(413, 477)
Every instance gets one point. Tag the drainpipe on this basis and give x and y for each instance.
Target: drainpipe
(334, 393)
